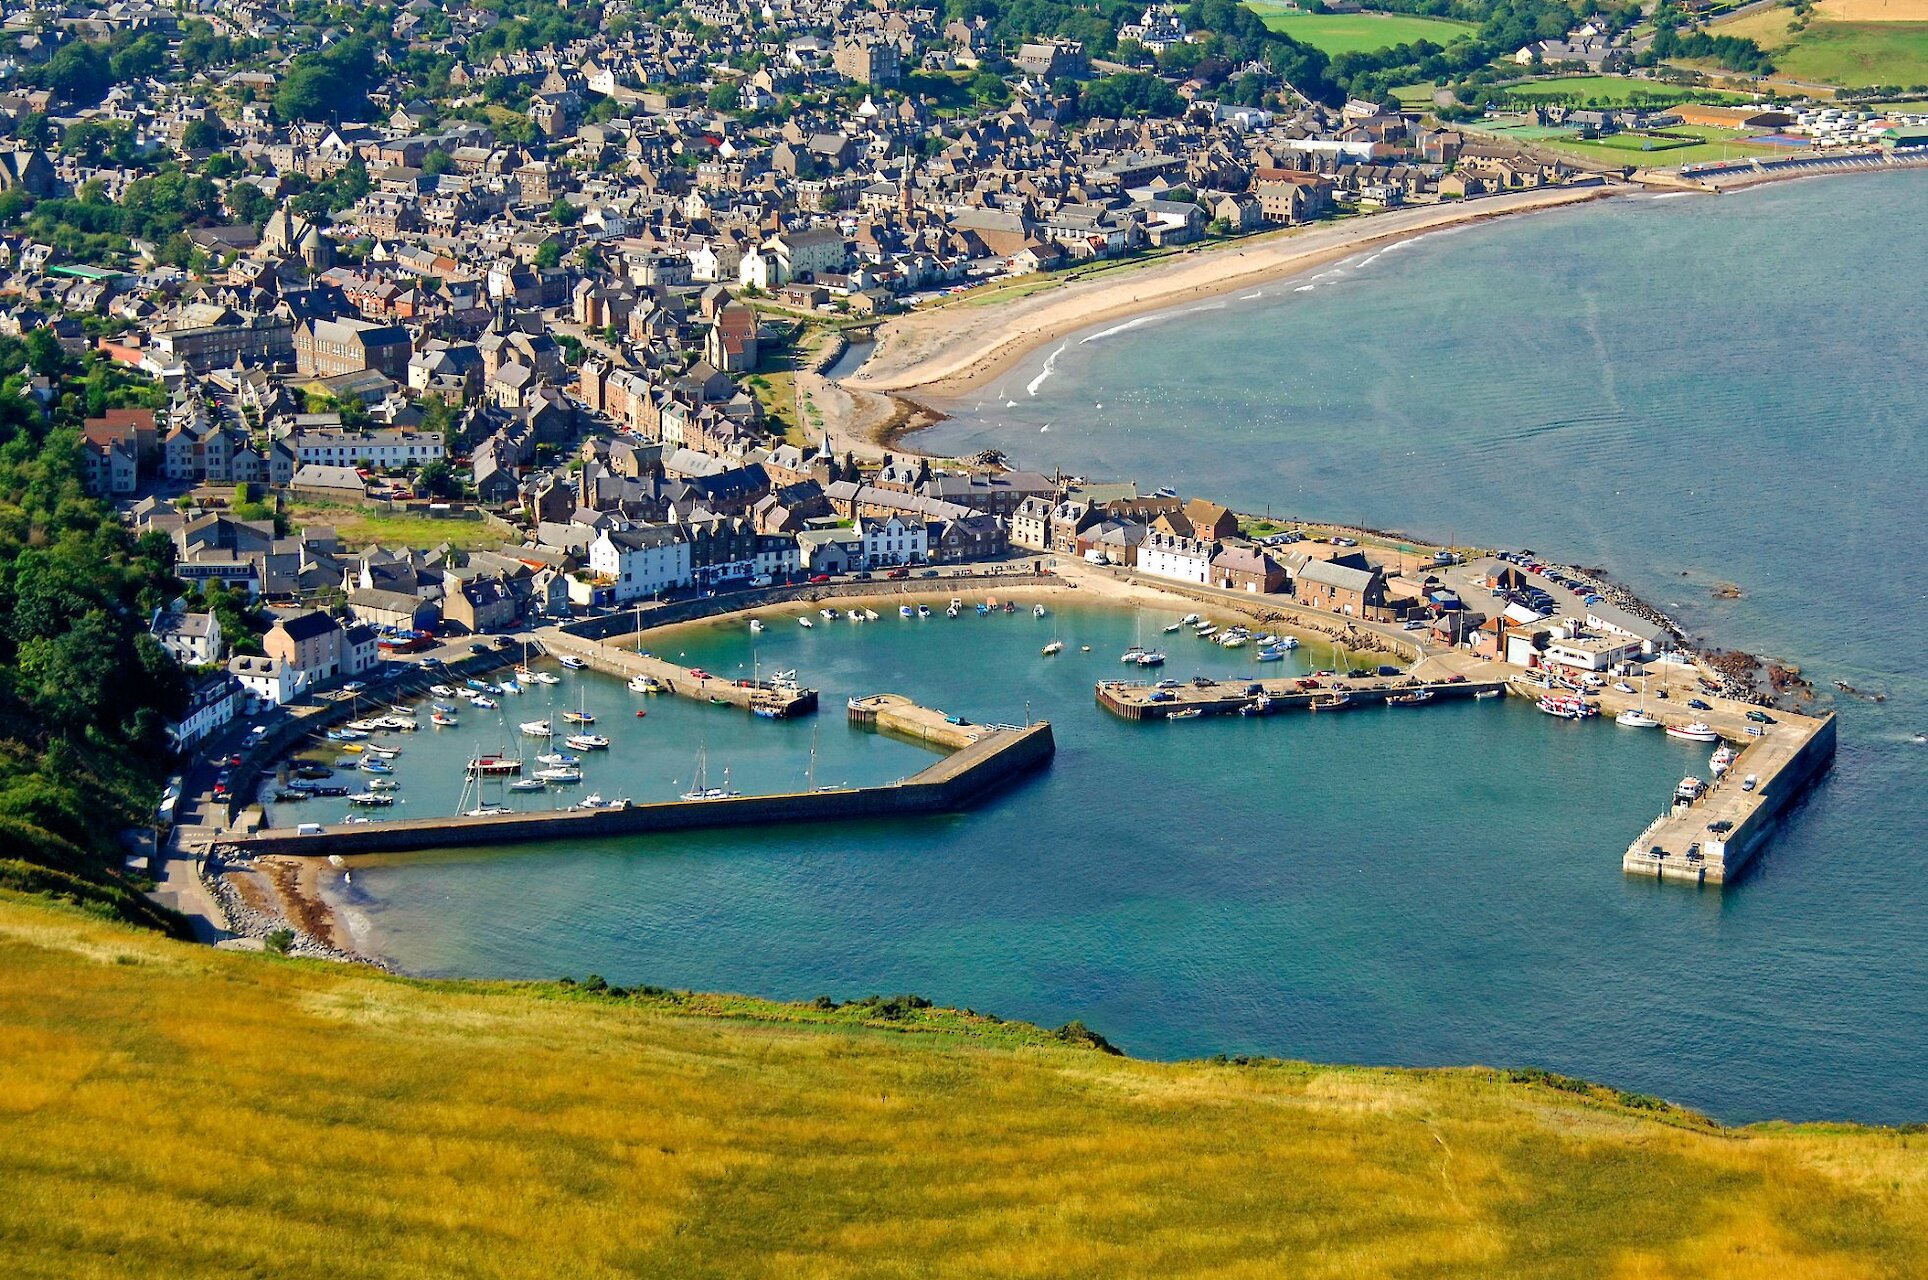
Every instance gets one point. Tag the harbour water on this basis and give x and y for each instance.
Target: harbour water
(1727, 388)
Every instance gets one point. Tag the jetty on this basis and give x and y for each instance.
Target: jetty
(989, 757)
(781, 701)
(1142, 700)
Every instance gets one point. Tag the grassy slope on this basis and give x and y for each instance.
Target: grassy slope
(1338, 33)
(365, 526)
(171, 1111)
(1605, 91)
(1850, 54)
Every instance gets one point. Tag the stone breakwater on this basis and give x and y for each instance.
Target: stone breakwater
(245, 920)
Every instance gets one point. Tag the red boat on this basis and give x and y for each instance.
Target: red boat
(494, 764)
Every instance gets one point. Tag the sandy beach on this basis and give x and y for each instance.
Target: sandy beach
(952, 350)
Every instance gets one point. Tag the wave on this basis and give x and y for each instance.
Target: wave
(1050, 367)
(1116, 329)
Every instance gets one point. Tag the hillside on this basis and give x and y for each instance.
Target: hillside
(174, 1111)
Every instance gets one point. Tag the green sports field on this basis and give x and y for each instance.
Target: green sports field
(1338, 33)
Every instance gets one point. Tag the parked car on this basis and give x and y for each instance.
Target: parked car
(699, 673)
(1388, 670)
(1698, 705)
(353, 686)
(898, 573)
(818, 579)
(1760, 717)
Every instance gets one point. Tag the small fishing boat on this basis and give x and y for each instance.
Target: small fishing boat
(1174, 627)
(1635, 718)
(493, 764)
(954, 608)
(829, 614)
(1208, 631)
(525, 675)
(870, 615)
(1334, 702)
(547, 677)
(486, 703)
(571, 661)
(644, 684)
(441, 691)
(756, 627)
(594, 800)
(1189, 713)
(1233, 641)
(1151, 658)
(587, 742)
(905, 611)
(443, 720)
(373, 765)
(1484, 694)
(383, 784)
(1417, 697)
(805, 622)
(1189, 619)
(485, 811)
(1688, 791)
(579, 717)
(1695, 732)
(371, 800)
(1053, 649)
(561, 775)
(923, 611)
(1565, 707)
(537, 728)
(1723, 761)
(1269, 655)
(558, 757)
(478, 685)
(527, 784)
(1132, 654)
(1037, 611)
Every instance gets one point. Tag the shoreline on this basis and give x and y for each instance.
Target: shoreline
(950, 351)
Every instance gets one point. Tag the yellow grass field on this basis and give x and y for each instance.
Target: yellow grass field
(1874, 10)
(168, 1111)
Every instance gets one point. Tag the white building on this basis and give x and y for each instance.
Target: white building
(193, 639)
(267, 682)
(894, 541)
(1166, 555)
(210, 706)
(377, 448)
(777, 556)
(759, 270)
(360, 650)
(641, 560)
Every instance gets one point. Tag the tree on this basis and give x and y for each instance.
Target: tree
(565, 214)
(548, 255)
(80, 73)
(202, 135)
(437, 479)
(724, 97)
(248, 203)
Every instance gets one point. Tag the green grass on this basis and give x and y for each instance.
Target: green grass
(171, 1111)
(363, 527)
(1628, 148)
(1338, 33)
(1856, 54)
(1611, 91)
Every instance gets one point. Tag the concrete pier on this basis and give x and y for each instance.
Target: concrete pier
(751, 695)
(1141, 700)
(995, 758)
(894, 713)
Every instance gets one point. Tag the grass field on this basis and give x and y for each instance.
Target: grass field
(1611, 91)
(1832, 50)
(1642, 151)
(170, 1111)
(363, 527)
(1338, 33)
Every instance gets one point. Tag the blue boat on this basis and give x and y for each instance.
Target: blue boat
(374, 764)
(1269, 655)
(768, 713)
(480, 685)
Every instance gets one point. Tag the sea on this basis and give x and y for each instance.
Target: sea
(1690, 393)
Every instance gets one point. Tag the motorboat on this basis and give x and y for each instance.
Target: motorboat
(1053, 649)
(923, 611)
(1723, 760)
(805, 623)
(486, 703)
(1188, 620)
(371, 800)
(372, 764)
(1334, 702)
(1132, 654)
(587, 741)
(443, 720)
(1635, 718)
(547, 677)
(870, 615)
(558, 757)
(1174, 627)
(1688, 791)
(829, 614)
(983, 609)
(485, 811)
(954, 608)
(1037, 611)
(561, 775)
(1269, 655)
(762, 711)
(441, 691)
(492, 764)
(1151, 658)
(579, 717)
(383, 784)
(1698, 731)
(527, 784)
(1207, 631)
(1233, 641)
(1189, 713)
(644, 684)
(1484, 694)
(594, 800)
(537, 728)
(756, 627)
(1566, 706)
(571, 661)
(905, 611)
(785, 677)
(1418, 697)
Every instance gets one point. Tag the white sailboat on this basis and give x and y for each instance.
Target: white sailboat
(702, 790)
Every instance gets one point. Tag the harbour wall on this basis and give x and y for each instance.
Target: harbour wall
(994, 761)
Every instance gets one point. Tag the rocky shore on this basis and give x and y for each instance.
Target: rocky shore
(308, 922)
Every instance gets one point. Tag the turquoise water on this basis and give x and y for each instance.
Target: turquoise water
(1730, 388)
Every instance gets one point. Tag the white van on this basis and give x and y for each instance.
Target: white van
(308, 829)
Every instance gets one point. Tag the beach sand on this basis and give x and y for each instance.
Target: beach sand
(949, 351)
